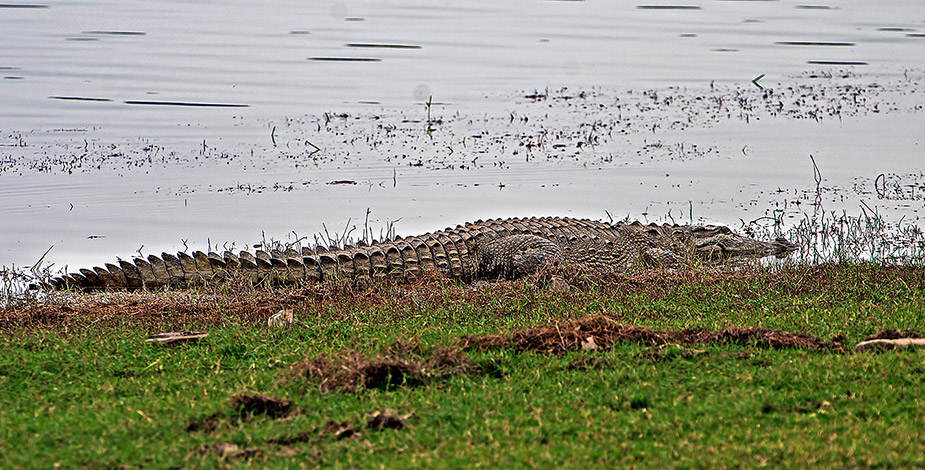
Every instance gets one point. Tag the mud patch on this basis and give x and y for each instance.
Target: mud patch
(559, 338)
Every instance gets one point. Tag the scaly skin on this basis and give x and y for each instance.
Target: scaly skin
(492, 249)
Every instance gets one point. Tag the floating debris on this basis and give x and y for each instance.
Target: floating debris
(186, 103)
(668, 7)
(116, 33)
(814, 43)
(835, 62)
(78, 98)
(385, 46)
(345, 59)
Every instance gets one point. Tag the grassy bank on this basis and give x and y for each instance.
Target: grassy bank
(443, 374)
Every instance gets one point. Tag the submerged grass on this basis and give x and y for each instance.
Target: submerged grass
(79, 387)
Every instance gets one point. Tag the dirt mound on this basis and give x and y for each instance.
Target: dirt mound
(402, 365)
(557, 338)
(595, 332)
(244, 406)
(340, 430)
(353, 371)
(763, 337)
(893, 334)
(386, 419)
(259, 404)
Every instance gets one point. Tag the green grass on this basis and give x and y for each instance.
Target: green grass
(95, 395)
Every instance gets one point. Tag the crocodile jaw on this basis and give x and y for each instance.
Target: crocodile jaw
(727, 245)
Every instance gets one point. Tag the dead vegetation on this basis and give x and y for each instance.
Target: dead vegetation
(403, 365)
(218, 305)
(596, 332)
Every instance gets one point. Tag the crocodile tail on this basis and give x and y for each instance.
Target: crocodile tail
(451, 252)
(401, 259)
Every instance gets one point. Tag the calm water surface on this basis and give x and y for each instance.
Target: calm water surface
(133, 126)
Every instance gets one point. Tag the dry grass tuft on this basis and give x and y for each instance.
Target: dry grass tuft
(403, 365)
(596, 332)
(218, 305)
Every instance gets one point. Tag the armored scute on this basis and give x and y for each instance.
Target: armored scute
(492, 249)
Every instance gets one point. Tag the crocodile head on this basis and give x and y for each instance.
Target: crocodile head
(713, 242)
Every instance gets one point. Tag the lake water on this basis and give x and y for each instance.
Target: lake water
(140, 126)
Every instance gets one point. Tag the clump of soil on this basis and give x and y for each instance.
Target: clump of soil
(559, 338)
(385, 419)
(244, 406)
(401, 365)
(340, 430)
(752, 335)
(352, 371)
(253, 404)
(893, 334)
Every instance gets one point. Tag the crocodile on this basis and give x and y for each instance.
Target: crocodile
(490, 249)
